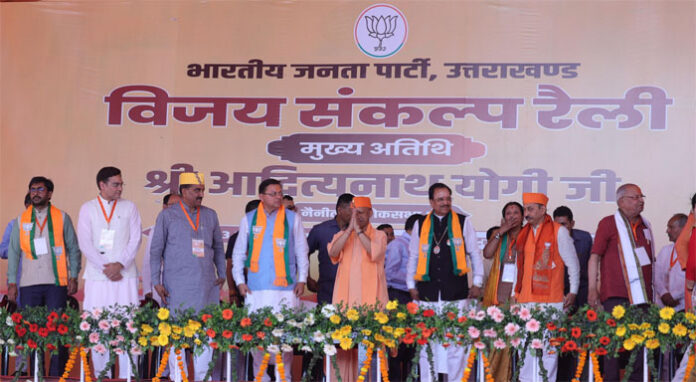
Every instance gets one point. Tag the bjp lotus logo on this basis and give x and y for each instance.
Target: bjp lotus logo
(381, 31)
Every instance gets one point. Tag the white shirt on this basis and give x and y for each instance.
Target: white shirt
(125, 221)
(472, 250)
(301, 249)
(669, 278)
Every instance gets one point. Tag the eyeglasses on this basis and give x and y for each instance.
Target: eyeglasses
(273, 194)
(635, 197)
(37, 189)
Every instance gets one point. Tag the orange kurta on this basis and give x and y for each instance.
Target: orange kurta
(360, 279)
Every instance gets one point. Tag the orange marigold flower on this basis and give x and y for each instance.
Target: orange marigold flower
(267, 321)
(412, 307)
(246, 321)
(227, 314)
(211, 333)
(227, 333)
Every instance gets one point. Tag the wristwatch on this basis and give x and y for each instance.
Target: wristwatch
(497, 235)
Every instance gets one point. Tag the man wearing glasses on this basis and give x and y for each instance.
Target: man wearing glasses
(109, 232)
(623, 246)
(273, 247)
(44, 236)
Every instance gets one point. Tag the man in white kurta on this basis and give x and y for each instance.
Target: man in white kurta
(108, 230)
(669, 277)
(264, 287)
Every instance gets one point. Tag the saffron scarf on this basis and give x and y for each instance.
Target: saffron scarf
(54, 222)
(457, 247)
(541, 278)
(281, 245)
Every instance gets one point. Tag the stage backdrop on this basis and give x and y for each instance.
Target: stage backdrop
(493, 98)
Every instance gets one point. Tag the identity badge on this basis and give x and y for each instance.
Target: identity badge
(106, 240)
(198, 247)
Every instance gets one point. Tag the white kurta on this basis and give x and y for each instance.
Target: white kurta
(669, 277)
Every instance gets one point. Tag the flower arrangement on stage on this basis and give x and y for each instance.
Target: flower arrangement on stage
(322, 330)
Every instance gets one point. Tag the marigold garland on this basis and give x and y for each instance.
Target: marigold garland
(366, 363)
(180, 363)
(595, 367)
(263, 367)
(70, 364)
(280, 366)
(487, 367)
(469, 364)
(690, 365)
(85, 365)
(162, 366)
(581, 365)
(383, 365)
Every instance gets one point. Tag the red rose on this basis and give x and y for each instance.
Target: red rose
(17, 318)
(62, 329)
(267, 321)
(428, 313)
(31, 344)
(576, 332)
(211, 333)
(591, 315)
(43, 332)
(601, 351)
(247, 337)
(246, 321)
(261, 335)
(227, 333)
(227, 314)
(611, 322)
(412, 307)
(33, 328)
(604, 340)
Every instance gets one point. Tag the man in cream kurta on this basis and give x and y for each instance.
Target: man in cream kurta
(269, 255)
(108, 229)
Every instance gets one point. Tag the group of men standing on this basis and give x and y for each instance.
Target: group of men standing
(545, 262)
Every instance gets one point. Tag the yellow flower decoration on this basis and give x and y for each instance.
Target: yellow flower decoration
(381, 318)
(164, 328)
(163, 314)
(387, 329)
(692, 335)
(176, 336)
(637, 338)
(663, 328)
(346, 343)
(142, 341)
(197, 341)
(366, 332)
(336, 335)
(189, 332)
(345, 330)
(177, 329)
(690, 317)
(401, 315)
(645, 326)
(352, 314)
(618, 312)
(621, 331)
(194, 325)
(147, 329)
(154, 340)
(398, 332)
(679, 330)
(649, 334)
(633, 326)
(628, 344)
(652, 343)
(335, 319)
(667, 313)
(393, 304)
(163, 340)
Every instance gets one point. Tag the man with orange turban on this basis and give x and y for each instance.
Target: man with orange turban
(359, 251)
(544, 247)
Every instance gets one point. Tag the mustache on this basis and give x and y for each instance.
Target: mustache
(199, 198)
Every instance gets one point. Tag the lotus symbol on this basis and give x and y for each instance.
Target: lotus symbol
(380, 28)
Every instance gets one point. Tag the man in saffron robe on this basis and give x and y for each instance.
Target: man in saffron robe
(622, 254)
(359, 251)
(543, 248)
(277, 262)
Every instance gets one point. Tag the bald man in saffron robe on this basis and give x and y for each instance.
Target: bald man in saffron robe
(360, 279)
